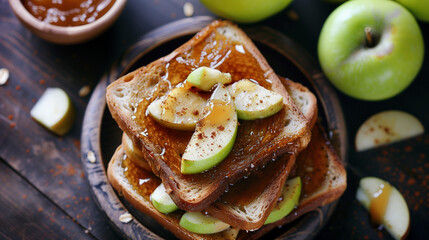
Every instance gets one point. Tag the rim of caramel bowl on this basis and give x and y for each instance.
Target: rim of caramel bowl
(66, 34)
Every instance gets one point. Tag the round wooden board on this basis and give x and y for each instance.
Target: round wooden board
(101, 135)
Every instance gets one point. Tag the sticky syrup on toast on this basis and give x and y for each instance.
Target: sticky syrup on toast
(247, 204)
(223, 46)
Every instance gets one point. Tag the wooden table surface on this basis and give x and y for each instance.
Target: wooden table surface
(44, 192)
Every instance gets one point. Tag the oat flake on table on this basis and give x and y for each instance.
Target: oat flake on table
(91, 156)
(188, 9)
(84, 91)
(125, 218)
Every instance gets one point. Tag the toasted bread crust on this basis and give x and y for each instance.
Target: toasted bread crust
(197, 192)
(303, 98)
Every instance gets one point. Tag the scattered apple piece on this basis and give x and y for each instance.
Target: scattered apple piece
(180, 109)
(162, 201)
(205, 78)
(204, 224)
(290, 199)
(386, 204)
(54, 110)
(386, 127)
(214, 134)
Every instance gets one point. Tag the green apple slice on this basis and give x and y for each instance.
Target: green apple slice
(396, 217)
(205, 78)
(290, 199)
(253, 101)
(214, 134)
(180, 109)
(387, 127)
(162, 201)
(204, 224)
(54, 110)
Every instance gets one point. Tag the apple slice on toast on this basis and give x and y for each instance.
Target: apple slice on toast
(214, 135)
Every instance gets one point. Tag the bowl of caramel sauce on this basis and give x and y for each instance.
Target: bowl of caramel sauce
(67, 21)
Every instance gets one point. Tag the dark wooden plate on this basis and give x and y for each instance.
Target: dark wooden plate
(101, 135)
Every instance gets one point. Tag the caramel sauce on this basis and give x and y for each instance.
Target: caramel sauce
(312, 164)
(218, 112)
(378, 205)
(254, 138)
(143, 182)
(68, 12)
(249, 188)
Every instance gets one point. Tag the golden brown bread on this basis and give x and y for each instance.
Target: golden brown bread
(313, 166)
(322, 174)
(303, 98)
(223, 46)
(127, 184)
(248, 203)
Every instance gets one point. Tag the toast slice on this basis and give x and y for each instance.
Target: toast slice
(224, 46)
(247, 204)
(127, 184)
(323, 176)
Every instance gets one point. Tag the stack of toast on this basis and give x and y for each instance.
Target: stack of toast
(247, 185)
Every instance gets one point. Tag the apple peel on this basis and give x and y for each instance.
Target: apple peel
(162, 201)
(290, 199)
(204, 224)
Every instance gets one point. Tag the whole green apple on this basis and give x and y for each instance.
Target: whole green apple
(420, 8)
(371, 50)
(245, 11)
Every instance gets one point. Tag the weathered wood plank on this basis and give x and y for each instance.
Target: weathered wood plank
(27, 214)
